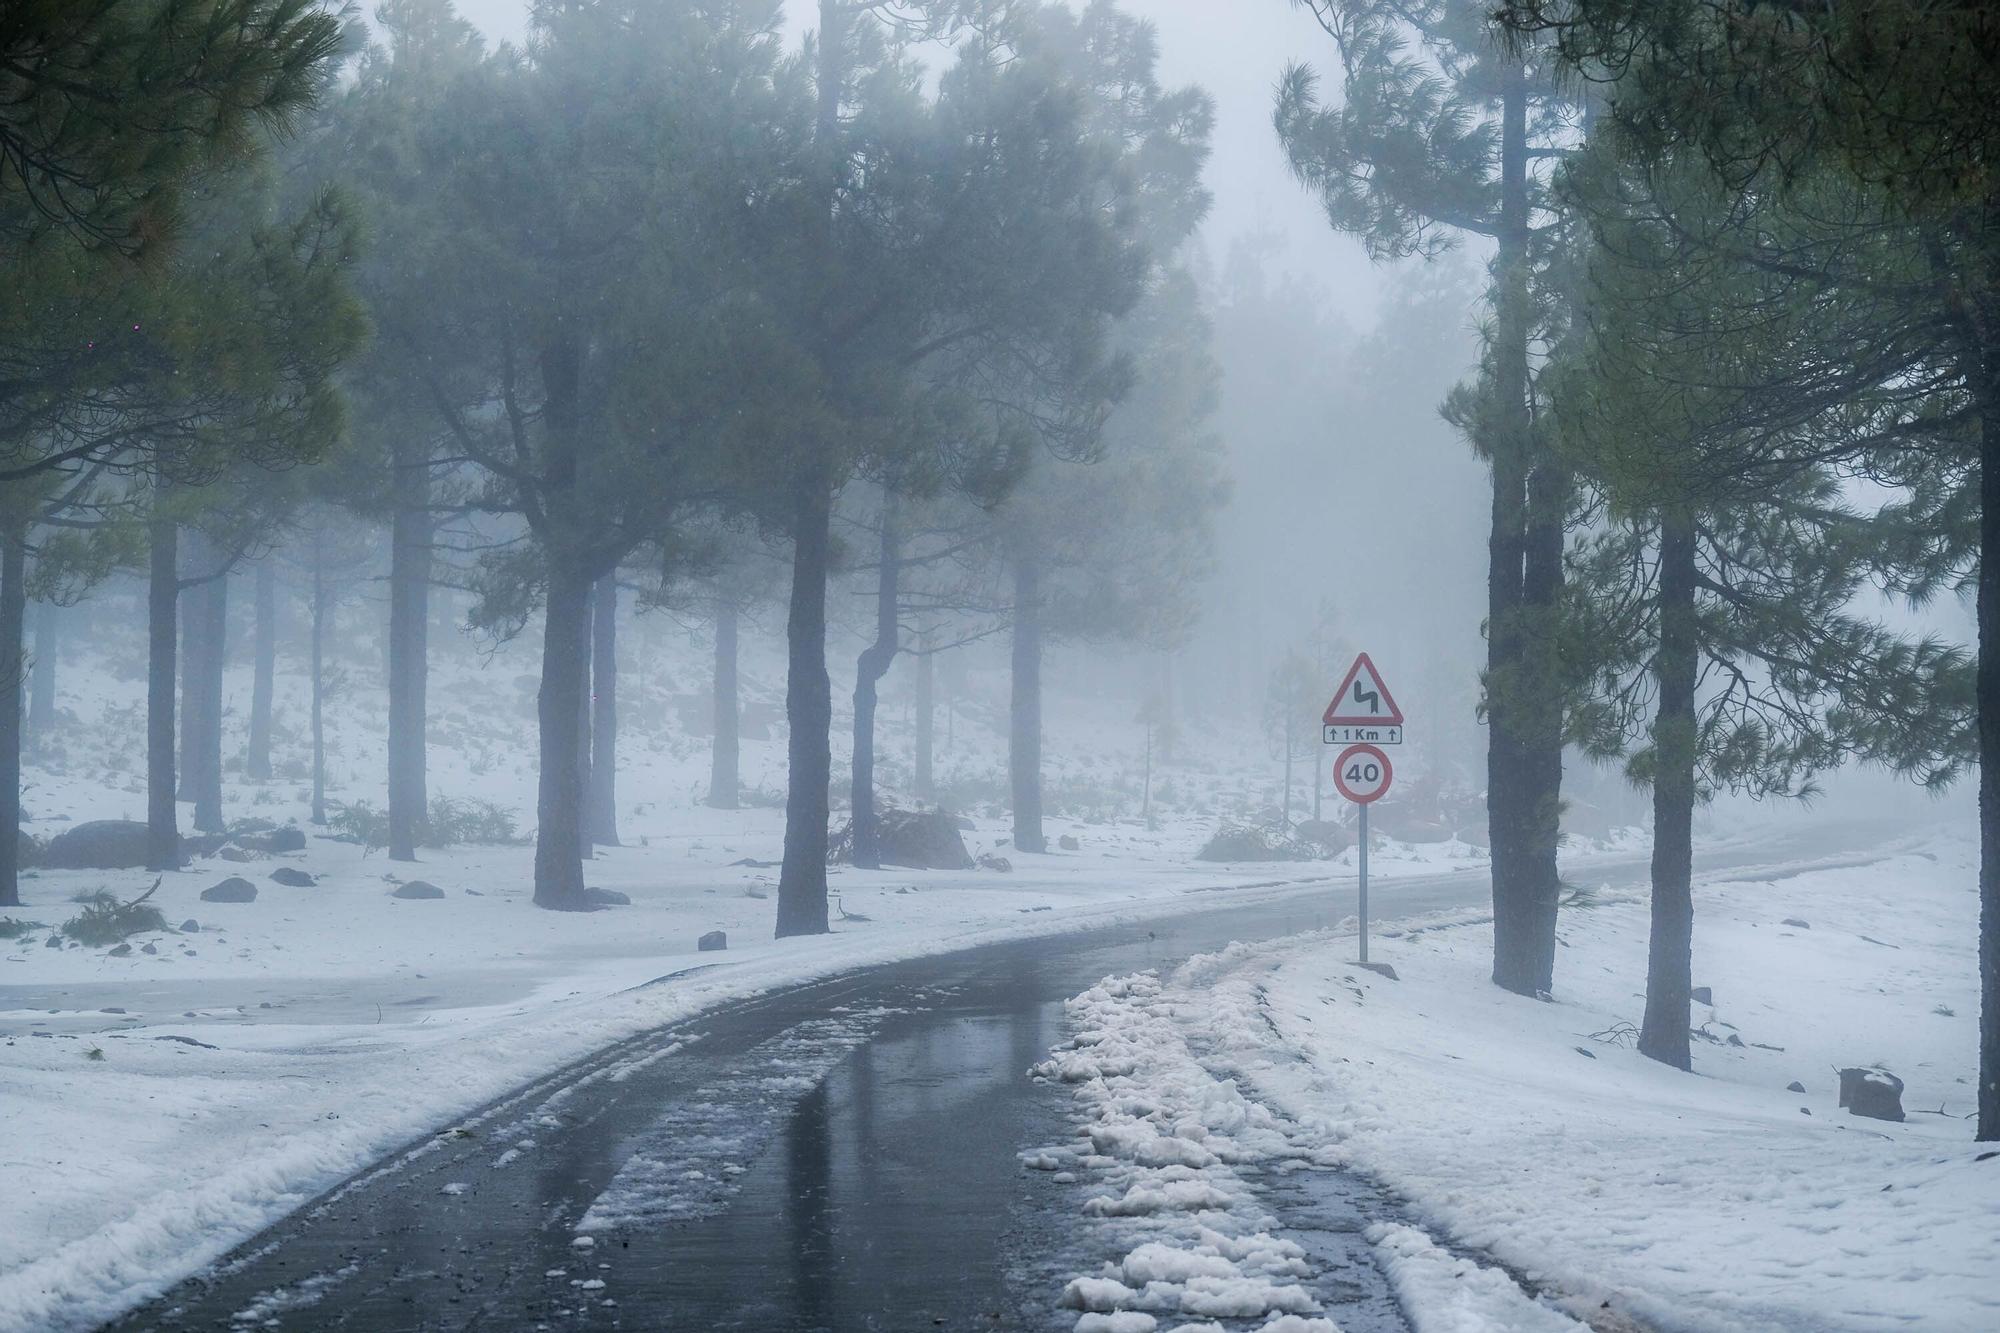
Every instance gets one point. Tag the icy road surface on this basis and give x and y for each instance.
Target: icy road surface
(856, 1153)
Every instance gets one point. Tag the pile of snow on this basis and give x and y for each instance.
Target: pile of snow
(1532, 1133)
(1165, 1142)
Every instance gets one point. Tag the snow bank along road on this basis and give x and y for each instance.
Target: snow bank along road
(861, 1152)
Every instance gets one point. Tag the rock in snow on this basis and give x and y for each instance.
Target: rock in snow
(293, 877)
(99, 844)
(417, 888)
(288, 839)
(917, 839)
(713, 942)
(235, 889)
(1875, 1093)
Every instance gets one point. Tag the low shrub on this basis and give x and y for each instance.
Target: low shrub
(107, 921)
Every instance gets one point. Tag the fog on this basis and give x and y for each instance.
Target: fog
(1078, 666)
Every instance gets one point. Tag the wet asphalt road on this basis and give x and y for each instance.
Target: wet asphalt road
(839, 1155)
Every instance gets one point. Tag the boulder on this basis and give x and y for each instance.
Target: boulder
(1236, 843)
(236, 854)
(1797, 924)
(1702, 995)
(606, 898)
(1874, 1093)
(31, 851)
(417, 889)
(287, 839)
(914, 839)
(713, 942)
(1069, 843)
(293, 877)
(190, 927)
(99, 844)
(120, 951)
(1795, 1086)
(235, 889)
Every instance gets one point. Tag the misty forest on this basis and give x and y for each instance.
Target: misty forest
(1080, 666)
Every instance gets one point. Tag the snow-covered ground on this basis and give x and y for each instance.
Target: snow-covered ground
(165, 1103)
(1532, 1150)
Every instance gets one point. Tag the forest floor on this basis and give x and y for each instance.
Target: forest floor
(162, 1106)
(1546, 1171)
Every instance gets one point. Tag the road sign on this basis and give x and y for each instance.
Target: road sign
(1363, 774)
(1362, 735)
(1363, 701)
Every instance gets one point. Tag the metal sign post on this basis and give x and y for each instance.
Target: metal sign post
(1364, 884)
(1362, 774)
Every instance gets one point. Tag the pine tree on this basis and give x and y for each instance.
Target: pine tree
(1894, 98)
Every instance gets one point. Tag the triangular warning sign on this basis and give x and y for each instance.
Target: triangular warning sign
(1363, 700)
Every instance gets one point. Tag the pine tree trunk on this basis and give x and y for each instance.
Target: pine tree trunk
(257, 763)
(1509, 804)
(42, 684)
(559, 801)
(925, 777)
(1540, 713)
(603, 813)
(724, 785)
(584, 845)
(410, 534)
(872, 665)
(1146, 800)
(194, 559)
(13, 670)
(1024, 736)
(163, 836)
(1988, 1128)
(1669, 973)
(1288, 781)
(214, 604)
(809, 715)
(318, 649)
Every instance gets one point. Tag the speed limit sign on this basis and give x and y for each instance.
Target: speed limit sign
(1362, 774)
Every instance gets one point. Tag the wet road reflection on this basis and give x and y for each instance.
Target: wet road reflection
(840, 1156)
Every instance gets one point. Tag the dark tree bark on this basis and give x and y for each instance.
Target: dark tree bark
(1024, 734)
(584, 846)
(869, 669)
(13, 669)
(42, 683)
(808, 692)
(163, 836)
(1669, 972)
(319, 609)
(410, 534)
(1516, 779)
(257, 762)
(1988, 1128)
(214, 606)
(724, 786)
(559, 708)
(194, 560)
(602, 819)
(809, 714)
(925, 779)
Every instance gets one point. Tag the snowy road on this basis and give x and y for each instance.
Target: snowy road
(840, 1155)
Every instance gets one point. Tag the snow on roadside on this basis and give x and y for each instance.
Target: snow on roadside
(1168, 1143)
(1718, 1201)
(1161, 1137)
(193, 1130)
